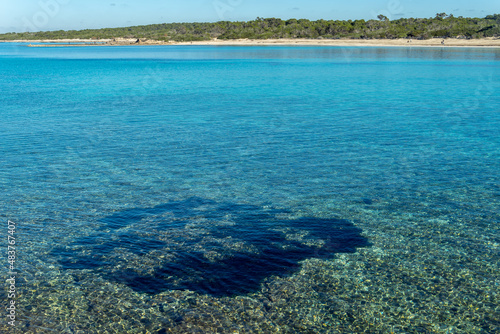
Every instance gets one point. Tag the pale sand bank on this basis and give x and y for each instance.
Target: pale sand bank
(484, 42)
(450, 42)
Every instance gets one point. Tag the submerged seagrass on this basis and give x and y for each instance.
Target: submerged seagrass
(205, 246)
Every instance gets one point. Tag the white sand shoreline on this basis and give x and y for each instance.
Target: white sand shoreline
(435, 42)
(485, 42)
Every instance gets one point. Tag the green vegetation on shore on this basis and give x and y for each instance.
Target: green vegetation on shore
(441, 26)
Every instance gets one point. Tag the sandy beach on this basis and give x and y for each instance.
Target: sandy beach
(435, 42)
(484, 42)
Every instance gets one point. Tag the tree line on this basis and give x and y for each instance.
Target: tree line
(440, 26)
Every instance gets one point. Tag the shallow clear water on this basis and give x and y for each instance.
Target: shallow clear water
(252, 189)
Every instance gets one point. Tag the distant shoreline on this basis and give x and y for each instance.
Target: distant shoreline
(449, 42)
(484, 42)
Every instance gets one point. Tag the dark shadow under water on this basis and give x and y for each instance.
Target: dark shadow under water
(220, 249)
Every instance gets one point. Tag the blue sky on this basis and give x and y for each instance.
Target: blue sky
(40, 15)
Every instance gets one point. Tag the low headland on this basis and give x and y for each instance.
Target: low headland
(442, 30)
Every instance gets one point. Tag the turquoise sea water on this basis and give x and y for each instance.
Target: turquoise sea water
(192, 189)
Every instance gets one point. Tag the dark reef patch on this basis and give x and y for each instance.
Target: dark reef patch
(198, 244)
